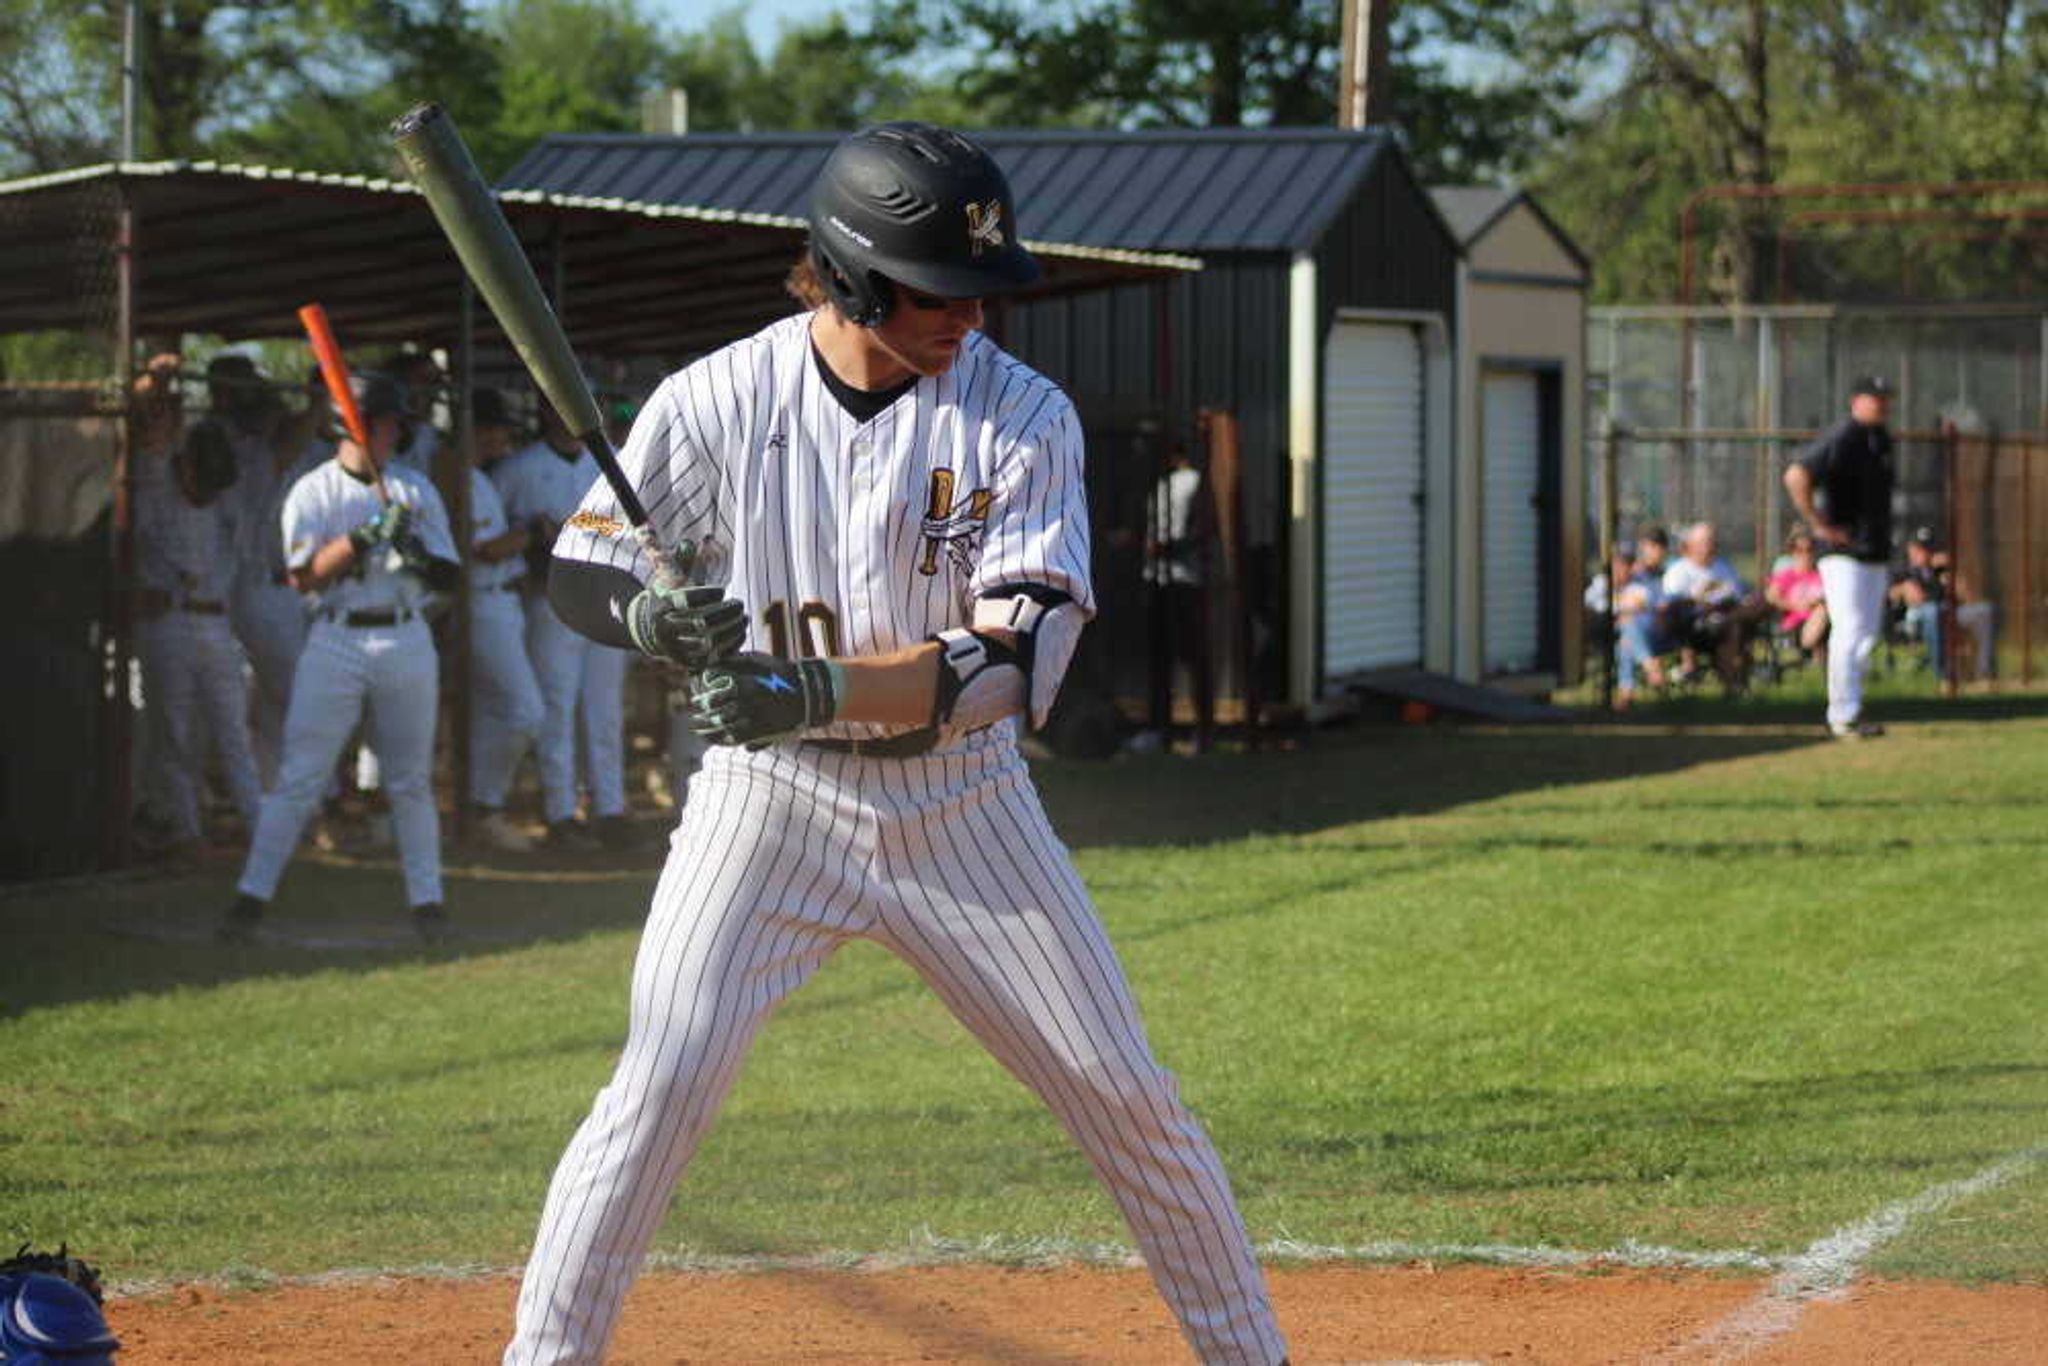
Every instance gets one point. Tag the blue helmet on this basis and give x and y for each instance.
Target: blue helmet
(48, 1321)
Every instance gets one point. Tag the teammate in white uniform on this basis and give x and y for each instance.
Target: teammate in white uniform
(369, 654)
(272, 450)
(509, 711)
(184, 535)
(896, 508)
(581, 682)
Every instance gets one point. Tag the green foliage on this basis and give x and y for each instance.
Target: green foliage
(1678, 97)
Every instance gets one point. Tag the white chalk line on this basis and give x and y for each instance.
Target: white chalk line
(1826, 1269)
(930, 1250)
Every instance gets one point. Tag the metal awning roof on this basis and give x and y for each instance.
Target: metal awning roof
(235, 250)
(1183, 190)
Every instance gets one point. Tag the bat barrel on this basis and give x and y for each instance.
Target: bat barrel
(467, 209)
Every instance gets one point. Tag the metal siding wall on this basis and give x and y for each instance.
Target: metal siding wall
(1387, 250)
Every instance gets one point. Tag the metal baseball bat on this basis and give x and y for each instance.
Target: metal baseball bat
(468, 212)
(334, 370)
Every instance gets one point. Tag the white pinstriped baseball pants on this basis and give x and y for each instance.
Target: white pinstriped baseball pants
(949, 862)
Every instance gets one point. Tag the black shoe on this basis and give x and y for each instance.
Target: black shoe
(431, 920)
(616, 833)
(238, 926)
(571, 837)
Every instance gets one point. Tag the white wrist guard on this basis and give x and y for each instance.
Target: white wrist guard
(981, 681)
(1046, 637)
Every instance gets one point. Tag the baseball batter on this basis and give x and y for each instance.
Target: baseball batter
(887, 512)
(369, 566)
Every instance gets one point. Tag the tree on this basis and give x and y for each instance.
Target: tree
(1689, 93)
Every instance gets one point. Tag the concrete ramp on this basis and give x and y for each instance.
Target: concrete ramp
(1447, 694)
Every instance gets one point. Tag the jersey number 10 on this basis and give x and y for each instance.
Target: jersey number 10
(817, 630)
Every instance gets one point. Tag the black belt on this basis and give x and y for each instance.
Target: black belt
(908, 745)
(205, 607)
(385, 617)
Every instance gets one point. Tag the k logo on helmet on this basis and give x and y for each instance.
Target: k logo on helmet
(985, 226)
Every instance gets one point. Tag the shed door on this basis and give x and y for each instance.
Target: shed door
(1372, 498)
(1511, 548)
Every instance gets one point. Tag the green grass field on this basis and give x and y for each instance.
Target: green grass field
(1720, 988)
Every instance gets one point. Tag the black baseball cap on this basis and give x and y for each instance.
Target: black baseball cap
(1877, 386)
(487, 409)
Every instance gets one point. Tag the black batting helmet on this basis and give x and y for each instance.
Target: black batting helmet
(919, 204)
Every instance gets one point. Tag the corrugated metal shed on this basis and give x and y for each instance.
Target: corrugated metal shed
(1198, 190)
(235, 250)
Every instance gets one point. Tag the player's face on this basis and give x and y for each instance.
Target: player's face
(924, 332)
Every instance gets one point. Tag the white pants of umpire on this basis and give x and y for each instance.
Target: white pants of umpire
(509, 710)
(192, 673)
(582, 686)
(1855, 596)
(947, 861)
(387, 676)
(270, 621)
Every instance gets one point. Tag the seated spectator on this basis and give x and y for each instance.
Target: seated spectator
(1795, 591)
(1707, 609)
(1638, 639)
(1917, 593)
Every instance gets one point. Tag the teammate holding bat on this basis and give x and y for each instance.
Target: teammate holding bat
(887, 513)
(367, 543)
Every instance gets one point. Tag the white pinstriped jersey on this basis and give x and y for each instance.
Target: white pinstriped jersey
(534, 481)
(330, 502)
(184, 550)
(487, 522)
(846, 537)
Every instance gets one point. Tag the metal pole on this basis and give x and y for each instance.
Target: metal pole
(1610, 498)
(465, 543)
(1951, 448)
(2026, 564)
(117, 715)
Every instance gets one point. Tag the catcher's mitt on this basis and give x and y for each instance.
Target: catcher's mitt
(60, 1264)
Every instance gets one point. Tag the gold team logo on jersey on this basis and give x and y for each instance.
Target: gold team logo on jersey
(957, 527)
(985, 226)
(597, 524)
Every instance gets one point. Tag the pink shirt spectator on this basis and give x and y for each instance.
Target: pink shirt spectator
(1800, 592)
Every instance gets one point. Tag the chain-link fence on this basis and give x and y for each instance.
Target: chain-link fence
(1978, 500)
(69, 670)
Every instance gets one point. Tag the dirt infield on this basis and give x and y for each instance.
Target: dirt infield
(979, 1314)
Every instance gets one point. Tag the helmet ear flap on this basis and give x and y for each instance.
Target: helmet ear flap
(862, 295)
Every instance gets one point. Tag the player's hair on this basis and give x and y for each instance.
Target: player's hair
(802, 282)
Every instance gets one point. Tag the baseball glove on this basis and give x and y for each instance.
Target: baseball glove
(60, 1264)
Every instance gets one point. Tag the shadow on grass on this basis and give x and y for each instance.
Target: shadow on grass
(106, 938)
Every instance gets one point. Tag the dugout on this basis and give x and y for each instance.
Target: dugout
(231, 252)
(1520, 473)
(1322, 321)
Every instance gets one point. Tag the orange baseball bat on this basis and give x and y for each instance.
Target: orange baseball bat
(334, 369)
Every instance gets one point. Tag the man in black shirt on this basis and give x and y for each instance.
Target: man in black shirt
(1842, 486)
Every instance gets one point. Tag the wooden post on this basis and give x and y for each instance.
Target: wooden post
(1362, 84)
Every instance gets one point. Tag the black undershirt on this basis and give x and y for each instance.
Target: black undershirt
(862, 404)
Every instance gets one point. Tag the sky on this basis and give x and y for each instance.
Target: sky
(765, 18)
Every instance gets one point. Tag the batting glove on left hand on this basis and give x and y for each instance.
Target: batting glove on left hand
(755, 699)
(693, 627)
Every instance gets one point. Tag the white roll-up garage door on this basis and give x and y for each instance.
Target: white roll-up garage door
(1372, 498)
(1512, 547)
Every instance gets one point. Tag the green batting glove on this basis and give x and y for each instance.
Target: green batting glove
(387, 526)
(694, 627)
(755, 699)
